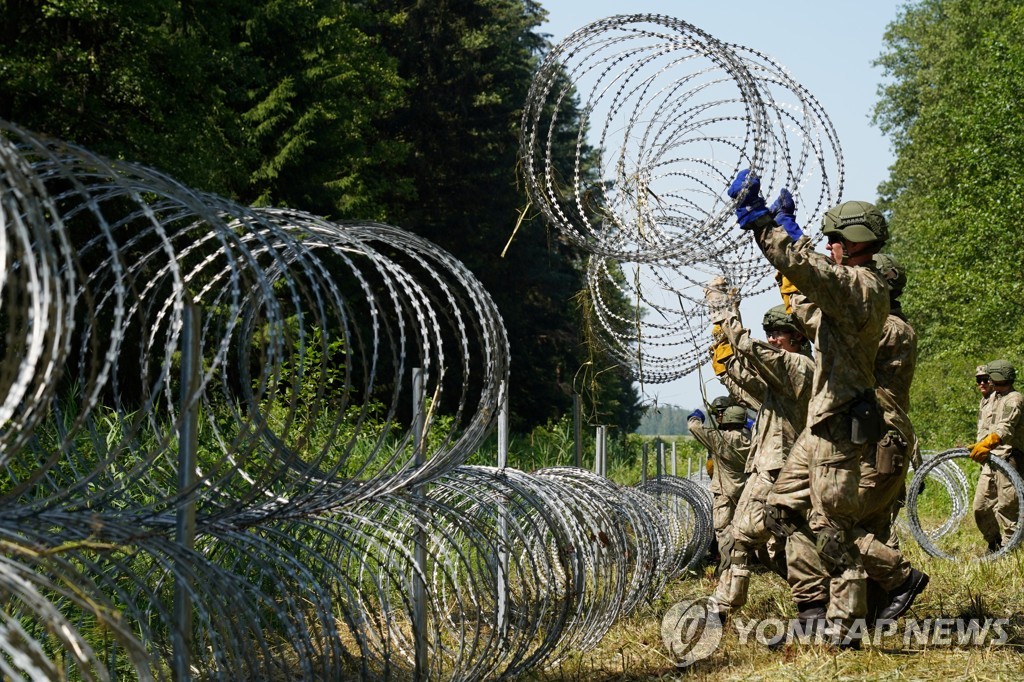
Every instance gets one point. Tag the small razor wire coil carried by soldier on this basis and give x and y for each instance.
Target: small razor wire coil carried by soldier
(916, 486)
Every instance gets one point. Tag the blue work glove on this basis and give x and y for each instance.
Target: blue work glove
(784, 212)
(751, 205)
(750, 423)
(696, 414)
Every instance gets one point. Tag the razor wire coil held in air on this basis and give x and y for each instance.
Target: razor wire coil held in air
(312, 512)
(675, 114)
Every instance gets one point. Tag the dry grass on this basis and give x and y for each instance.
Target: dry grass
(633, 649)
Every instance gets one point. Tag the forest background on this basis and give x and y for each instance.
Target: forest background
(407, 112)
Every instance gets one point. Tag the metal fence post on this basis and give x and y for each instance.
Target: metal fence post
(502, 587)
(600, 452)
(419, 590)
(643, 464)
(188, 444)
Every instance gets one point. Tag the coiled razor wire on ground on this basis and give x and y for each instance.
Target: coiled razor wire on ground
(689, 507)
(314, 522)
(926, 540)
(676, 114)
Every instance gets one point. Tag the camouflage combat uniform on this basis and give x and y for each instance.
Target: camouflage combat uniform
(729, 449)
(883, 486)
(783, 380)
(995, 498)
(852, 304)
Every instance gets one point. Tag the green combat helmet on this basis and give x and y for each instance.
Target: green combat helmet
(721, 402)
(735, 415)
(856, 221)
(1001, 371)
(777, 319)
(893, 272)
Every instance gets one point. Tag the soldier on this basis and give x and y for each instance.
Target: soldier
(780, 373)
(883, 477)
(995, 499)
(984, 384)
(843, 422)
(728, 446)
(718, 407)
(987, 521)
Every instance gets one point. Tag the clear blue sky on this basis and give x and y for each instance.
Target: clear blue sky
(827, 46)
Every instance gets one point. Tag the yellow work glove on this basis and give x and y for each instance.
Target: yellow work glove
(710, 466)
(980, 450)
(719, 355)
(786, 288)
(717, 335)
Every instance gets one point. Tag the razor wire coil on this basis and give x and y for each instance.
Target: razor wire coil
(676, 114)
(926, 540)
(308, 505)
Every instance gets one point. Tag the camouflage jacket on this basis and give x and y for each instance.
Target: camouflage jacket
(897, 359)
(729, 449)
(1006, 420)
(894, 372)
(742, 384)
(785, 379)
(843, 309)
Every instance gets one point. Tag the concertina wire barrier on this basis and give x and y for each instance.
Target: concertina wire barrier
(676, 114)
(329, 537)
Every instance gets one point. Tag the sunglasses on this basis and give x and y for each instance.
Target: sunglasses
(982, 380)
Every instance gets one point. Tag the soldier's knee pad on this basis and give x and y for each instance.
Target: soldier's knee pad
(739, 559)
(779, 521)
(836, 553)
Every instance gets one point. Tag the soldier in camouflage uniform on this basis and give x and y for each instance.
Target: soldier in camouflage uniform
(883, 477)
(987, 520)
(729, 446)
(843, 421)
(779, 373)
(882, 483)
(995, 499)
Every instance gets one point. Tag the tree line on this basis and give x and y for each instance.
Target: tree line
(397, 111)
(952, 105)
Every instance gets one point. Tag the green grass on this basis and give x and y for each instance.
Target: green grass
(633, 650)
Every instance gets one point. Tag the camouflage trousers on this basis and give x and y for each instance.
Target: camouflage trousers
(995, 504)
(750, 535)
(833, 481)
(723, 509)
